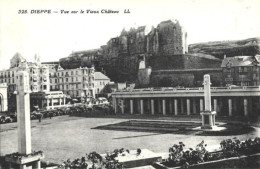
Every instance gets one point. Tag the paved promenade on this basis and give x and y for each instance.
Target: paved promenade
(66, 137)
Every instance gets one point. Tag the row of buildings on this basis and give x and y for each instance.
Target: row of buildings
(50, 84)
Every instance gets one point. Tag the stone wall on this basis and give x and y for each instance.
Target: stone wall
(184, 78)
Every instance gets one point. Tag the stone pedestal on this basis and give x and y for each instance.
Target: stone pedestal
(208, 119)
(25, 161)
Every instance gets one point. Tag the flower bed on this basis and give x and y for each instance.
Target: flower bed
(229, 148)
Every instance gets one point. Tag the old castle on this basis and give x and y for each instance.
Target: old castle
(120, 57)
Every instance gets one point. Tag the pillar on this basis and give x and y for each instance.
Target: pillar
(230, 107)
(42, 103)
(115, 105)
(152, 106)
(175, 107)
(245, 107)
(59, 101)
(194, 105)
(131, 106)
(23, 114)
(215, 102)
(182, 106)
(164, 107)
(142, 106)
(64, 100)
(201, 104)
(48, 103)
(122, 106)
(188, 106)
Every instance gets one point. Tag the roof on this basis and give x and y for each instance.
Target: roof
(241, 61)
(100, 76)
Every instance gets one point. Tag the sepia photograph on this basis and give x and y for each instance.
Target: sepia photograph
(129, 84)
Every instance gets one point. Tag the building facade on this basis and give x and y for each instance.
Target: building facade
(76, 83)
(101, 81)
(241, 71)
(38, 74)
(226, 101)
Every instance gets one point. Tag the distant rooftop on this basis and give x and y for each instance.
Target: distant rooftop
(101, 76)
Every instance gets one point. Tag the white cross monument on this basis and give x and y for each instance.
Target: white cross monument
(25, 158)
(208, 116)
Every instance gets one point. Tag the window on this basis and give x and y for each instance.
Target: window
(245, 69)
(240, 69)
(71, 72)
(50, 80)
(76, 78)
(67, 79)
(44, 87)
(72, 79)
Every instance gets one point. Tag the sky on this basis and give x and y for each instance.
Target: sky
(54, 36)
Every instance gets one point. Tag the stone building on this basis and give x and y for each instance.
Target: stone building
(101, 81)
(120, 57)
(169, 38)
(76, 83)
(38, 77)
(241, 70)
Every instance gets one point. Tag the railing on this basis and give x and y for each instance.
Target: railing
(190, 89)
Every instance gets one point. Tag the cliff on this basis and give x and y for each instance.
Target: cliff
(218, 49)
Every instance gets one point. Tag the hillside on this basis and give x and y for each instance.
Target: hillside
(232, 48)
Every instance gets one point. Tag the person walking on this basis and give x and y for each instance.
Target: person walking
(40, 118)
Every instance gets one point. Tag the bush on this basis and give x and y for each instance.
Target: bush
(229, 148)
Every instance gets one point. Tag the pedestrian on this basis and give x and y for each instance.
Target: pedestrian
(40, 118)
